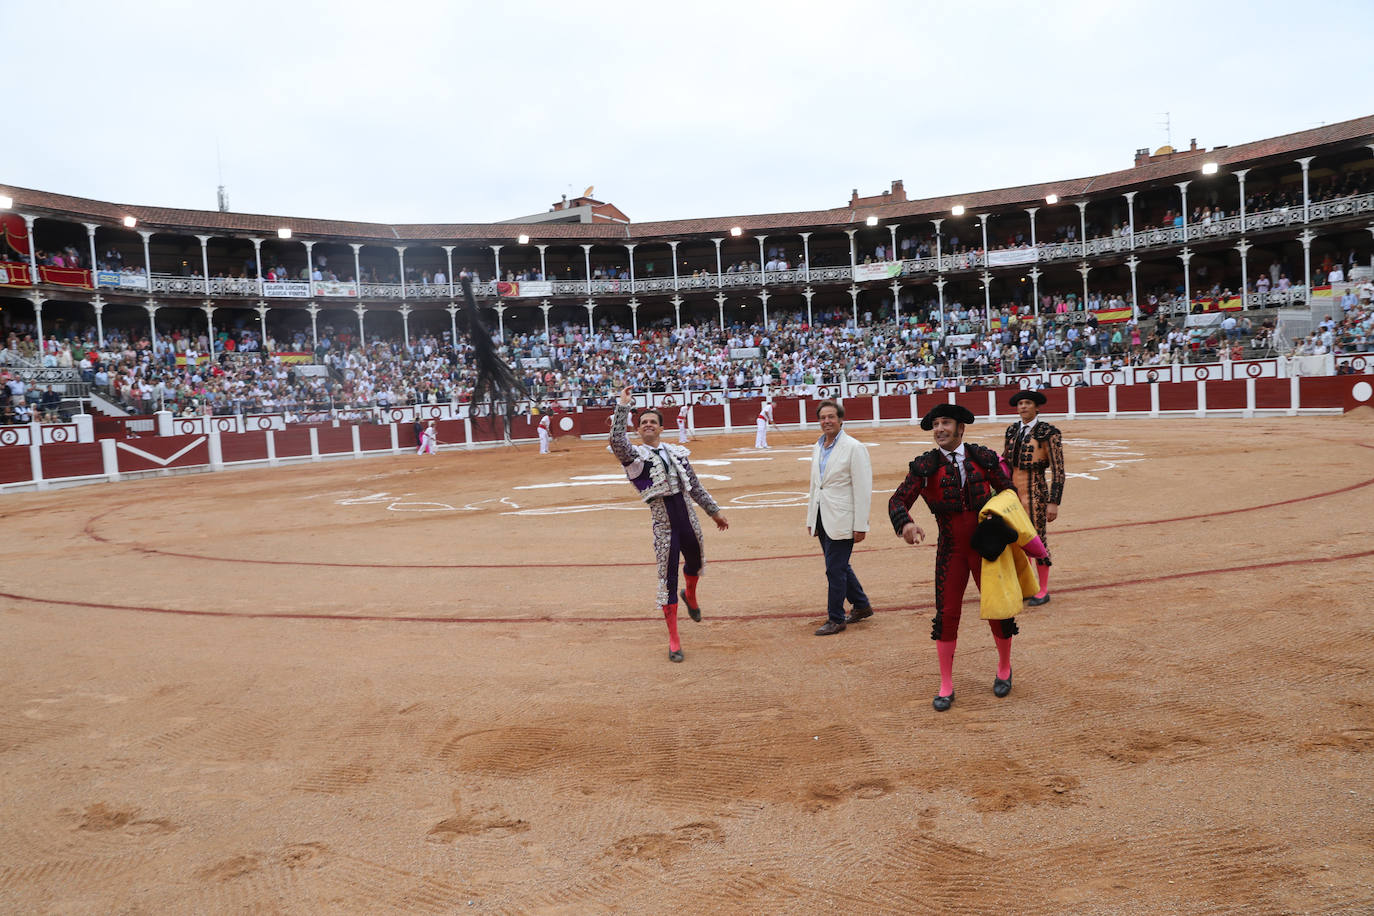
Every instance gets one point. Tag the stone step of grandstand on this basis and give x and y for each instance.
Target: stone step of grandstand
(103, 406)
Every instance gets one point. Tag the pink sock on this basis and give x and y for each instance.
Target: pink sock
(1003, 650)
(1044, 572)
(670, 616)
(945, 649)
(691, 589)
(1035, 548)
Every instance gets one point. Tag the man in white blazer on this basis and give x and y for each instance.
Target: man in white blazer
(837, 513)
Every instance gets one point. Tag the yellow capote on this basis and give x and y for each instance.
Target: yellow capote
(1009, 579)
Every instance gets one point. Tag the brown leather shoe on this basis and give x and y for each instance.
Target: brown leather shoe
(830, 628)
(859, 613)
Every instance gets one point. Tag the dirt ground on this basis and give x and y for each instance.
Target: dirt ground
(438, 685)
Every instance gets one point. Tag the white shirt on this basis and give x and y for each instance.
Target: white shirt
(958, 454)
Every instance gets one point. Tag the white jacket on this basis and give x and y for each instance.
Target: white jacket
(845, 495)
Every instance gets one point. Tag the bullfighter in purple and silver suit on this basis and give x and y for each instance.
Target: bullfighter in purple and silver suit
(664, 477)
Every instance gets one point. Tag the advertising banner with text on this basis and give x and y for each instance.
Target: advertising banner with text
(286, 289)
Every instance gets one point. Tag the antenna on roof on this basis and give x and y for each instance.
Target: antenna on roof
(1168, 129)
(221, 194)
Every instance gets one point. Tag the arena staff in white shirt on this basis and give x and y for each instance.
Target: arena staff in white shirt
(545, 433)
(764, 421)
(684, 418)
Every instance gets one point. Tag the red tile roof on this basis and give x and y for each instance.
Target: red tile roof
(1260, 152)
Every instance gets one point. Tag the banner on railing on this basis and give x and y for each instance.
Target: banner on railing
(119, 280)
(1203, 320)
(1011, 256)
(535, 362)
(286, 289)
(1227, 304)
(744, 352)
(883, 270)
(336, 289)
(293, 356)
(15, 274)
(959, 340)
(524, 288)
(1109, 316)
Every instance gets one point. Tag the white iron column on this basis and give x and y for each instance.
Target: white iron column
(763, 265)
(1240, 178)
(362, 334)
(543, 267)
(673, 245)
(1306, 163)
(448, 256)
(1130, 216)
(209, 308)
(1083, 269)
(1035, 273)
(99, 305)
(1083, 228)
(983, 221)
(33, 252)
(987, 301)
(587, 262)
(1133, 262)
(38, 301)
(939, 255)
(496, 251)
(630, 247)
(940, 289)
(205, 260)
(405, 326)
(677, 311)
(358, 267)
(152, 308)
(1183, 195)
(806, 256)
(147, 258)
(544, 307)
(720, 304)
(808, 293)
(719, 273)
(1187, 257)
(501, 322)
(257, 259)
(401, 254)
(90, 235)
(262, 327)
(854, 302)
(896, 301)
(453, 323)
(1243, 246)
(1306, 237)
(591, 308)
(314, 311)
(763, 297)
(1031, 211)
(634, 316)
(309, 265)
(893, 250)
(853, 254)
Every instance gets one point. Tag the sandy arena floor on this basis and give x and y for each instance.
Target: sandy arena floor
(437, 685)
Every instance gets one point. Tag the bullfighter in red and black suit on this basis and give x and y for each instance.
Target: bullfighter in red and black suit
(955, 479)
(1030, 447)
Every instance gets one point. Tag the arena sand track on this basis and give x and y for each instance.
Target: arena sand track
(492, 725)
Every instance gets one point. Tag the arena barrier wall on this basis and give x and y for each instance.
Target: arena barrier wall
(39, 456)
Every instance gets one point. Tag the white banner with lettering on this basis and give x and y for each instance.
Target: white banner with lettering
(883, 270)
(1010, 256)
(286, 289)
(336, 289)
(120, 280)
(744, 352)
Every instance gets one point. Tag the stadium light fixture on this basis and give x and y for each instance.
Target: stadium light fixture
(1209, 168)
(1051, 199)
(872, 221)
(957, 210)
(130, 222)
(523, 240)
(6, 203)
(737, 231)
(283, 233)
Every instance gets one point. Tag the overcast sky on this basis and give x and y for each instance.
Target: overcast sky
(411, 111)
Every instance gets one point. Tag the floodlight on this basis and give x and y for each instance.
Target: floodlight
(872, 221)
(130, 222)
(283, 233)
(737, 231)
(1051, 198)
(1209, 168)
(6, 203)
(957, 210)
(523, 240)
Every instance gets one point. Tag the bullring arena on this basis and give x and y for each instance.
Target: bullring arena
(437, 684)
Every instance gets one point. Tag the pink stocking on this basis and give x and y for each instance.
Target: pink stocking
(945, 649)
(1044, 572)
(670, 616)
(1003, 650)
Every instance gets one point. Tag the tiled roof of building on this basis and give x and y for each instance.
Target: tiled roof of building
(1259, 152)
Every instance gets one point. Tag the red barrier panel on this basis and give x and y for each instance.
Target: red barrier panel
(151, 453)
(858, 408)
(375, 438)
(975, 401)
(244, 446)
(925, 402)
(1360, 394)
(1226, 395)
(789, 410)
(570, 424)
(80, 459)
(704, 416)
(335, 439)
(597, 420)
(1273, 394)
(450, 432)
(894, 407)
(1133, 398)
(1091, 400)
(1056, 401)
(292, 442)
(1182, 396)
(1330, 391)
(523, 427)
(14, 465)
(489, 429)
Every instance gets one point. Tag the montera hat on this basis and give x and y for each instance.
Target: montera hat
(953, 411)
(1035, 396)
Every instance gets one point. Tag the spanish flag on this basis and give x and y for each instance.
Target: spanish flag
(1108, 316)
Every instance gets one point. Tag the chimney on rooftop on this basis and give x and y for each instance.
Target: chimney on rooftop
(1192, 145)
(898, 191)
